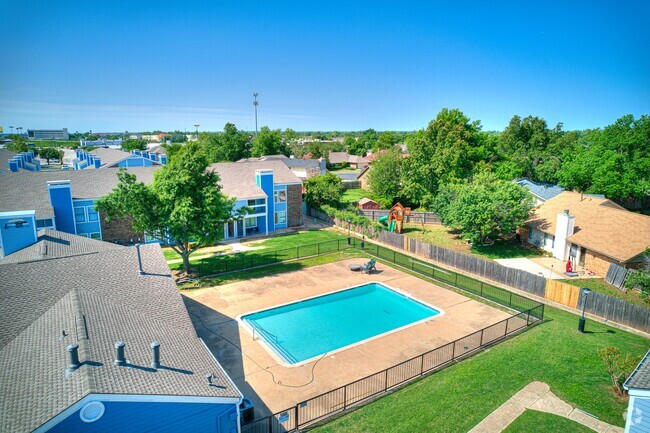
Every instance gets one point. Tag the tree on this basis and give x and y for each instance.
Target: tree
(289, 136)
(386, 140)
(618, 367)
(18, 144)
(50, 153)
(184, 204)
(385, 175)
(323, 190)
(134, 144)
(439, 155)
(269, 142)
(640, 278)
(361, 145)
(484, 209)
(231, 145)
(524, 142)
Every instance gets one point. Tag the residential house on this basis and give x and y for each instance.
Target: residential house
(638, 407)
(102, 157)
(95, 337)
(341, 158)
(592, 231)
(271, 191)
(363, 178)
(302, 167)
(64, 200)
(542, 192)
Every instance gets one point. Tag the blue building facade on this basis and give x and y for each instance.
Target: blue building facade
(17, 230)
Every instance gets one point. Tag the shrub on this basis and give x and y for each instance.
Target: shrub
(618, 367)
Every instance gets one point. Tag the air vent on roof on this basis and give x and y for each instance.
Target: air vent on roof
(73, 351)
(137, 247)
(120, 359)
(155, 354)
(42, 249)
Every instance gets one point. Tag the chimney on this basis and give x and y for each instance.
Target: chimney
(155, 354)
(145, 154)
(120, 360)
(163, 159)
(564, 226)
(13, 165)
(98, 162)
(17, 231)
(73, 351)
(61, 200)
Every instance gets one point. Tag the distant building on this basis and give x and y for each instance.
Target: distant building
(112, 158)
(368, 204)
(114, 144)
(95, 337)
(48, 134)
(540, 191)
(342, 158)
(301, 167)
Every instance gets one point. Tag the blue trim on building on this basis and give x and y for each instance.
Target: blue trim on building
(61, 201)
(17, 231)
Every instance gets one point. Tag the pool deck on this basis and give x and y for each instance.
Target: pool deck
(274, 387)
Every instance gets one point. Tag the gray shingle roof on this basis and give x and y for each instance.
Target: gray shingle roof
(545, 191)
(97, 299)
(640, 378)
(5, 156)
(238, 178)
(53, 244)
(28, 191)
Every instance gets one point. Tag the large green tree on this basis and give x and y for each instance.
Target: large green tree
(184, 204)
(323, 190)
(269, 142)
(385, 176)
(134, 144)
(524, 143)
(439, 155)
(18, 144)
(230, 145)
(485, 208)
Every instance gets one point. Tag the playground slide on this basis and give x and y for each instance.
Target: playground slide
(383, 219)
(391, 226)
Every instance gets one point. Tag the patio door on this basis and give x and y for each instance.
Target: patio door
(230, 229)
(583, 256)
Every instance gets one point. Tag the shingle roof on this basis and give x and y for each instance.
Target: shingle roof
(28, 190)
(289, 162)
(366, 200)
(545, 191)
(600, 225)
(640, 378)
(5, 156)
(111, 156)
(157, 149)
(96, 306)
(238, 178)
(53, 244)
(338, 157)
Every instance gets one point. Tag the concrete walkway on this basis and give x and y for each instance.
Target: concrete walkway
(530, 266)
(538, 396)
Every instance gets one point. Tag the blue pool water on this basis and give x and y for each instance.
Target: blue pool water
(307, 329)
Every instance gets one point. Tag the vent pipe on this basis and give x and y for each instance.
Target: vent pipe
(73, 351)
(155, 354)
(120, 359)
(140, 271)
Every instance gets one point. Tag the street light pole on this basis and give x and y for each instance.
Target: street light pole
(255, 104)
(349, 222)
(581, 323)
(196, 125)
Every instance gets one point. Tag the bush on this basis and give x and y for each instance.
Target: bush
(619, 368)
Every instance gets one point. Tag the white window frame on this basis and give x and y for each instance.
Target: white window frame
(277, 195)
(277, 219)
(246, 226)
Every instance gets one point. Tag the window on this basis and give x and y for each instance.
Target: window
(92, 215)
(80, 214)
(280, 196)
(46, 223)
(281, 217)
(251, 203)
(250, 222)
(95, 236)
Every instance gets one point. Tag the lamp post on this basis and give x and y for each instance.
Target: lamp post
(196, 125)
(255, 104)
(349, 222)
(581, 324)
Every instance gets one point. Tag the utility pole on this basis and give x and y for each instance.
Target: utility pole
(197, 130)
(255, 104)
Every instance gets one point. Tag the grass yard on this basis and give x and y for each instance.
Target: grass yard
(352, 196)
(532, 421)
(284, 247)
(53, 143)
(601, 286)
(170, 254)
(444, 237)
(459, 397)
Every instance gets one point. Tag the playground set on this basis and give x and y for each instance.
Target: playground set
(395, 218)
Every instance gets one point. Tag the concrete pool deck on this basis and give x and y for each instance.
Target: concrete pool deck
(274, 387)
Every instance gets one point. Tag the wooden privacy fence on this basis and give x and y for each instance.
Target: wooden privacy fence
(414, 217)
(617, 310)
(562, 293)
(616, 275)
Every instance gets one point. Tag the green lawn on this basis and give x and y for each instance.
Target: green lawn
(52, 143)
(601, 286)
(444, 237)
(459, 397)
(354, 195)
(532, 421)
(273, 249)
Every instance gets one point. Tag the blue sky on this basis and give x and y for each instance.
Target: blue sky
(136, 65)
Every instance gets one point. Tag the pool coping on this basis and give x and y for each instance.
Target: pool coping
(281, 361)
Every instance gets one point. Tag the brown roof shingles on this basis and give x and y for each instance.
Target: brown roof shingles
(237, 179)
(600, 225)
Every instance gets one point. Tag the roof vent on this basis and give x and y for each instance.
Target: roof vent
(209, 378)
(141, 272)
(566, 211)
(155, 354)
(73, 351)
(120, 359)
(42, 249)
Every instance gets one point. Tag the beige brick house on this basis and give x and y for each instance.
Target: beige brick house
(592, 231)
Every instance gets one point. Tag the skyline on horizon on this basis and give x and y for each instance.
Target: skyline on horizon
(115, 66)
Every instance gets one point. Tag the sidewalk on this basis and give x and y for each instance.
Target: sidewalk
(538, 396)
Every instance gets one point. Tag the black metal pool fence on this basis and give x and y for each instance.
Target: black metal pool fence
(529, 312)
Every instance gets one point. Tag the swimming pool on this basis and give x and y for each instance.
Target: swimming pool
(307, 329)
